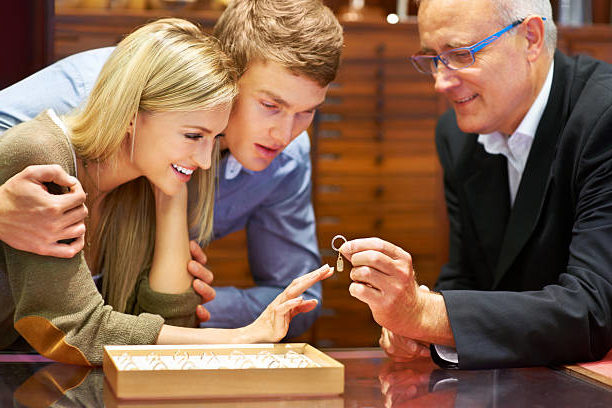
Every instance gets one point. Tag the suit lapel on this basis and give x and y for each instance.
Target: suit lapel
(537, 176)
(486, 191)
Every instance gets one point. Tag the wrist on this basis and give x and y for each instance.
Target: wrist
(433, 325)
(244, 335)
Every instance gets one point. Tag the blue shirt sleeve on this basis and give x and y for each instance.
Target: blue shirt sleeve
(61, 86)
(281, 236)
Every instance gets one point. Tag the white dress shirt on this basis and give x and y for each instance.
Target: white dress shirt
(516, 147)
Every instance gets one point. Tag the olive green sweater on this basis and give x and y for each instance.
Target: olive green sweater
(54, 303)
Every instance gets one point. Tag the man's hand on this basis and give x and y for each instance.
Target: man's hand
(383, 277)
(34, 220)
(400, 348)
(203, 278)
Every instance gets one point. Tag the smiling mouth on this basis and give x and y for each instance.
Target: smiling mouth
(182, 170)
(465, 100)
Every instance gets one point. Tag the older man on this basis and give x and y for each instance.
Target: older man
(527, 159)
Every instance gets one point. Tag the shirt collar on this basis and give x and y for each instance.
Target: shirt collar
(232, 167)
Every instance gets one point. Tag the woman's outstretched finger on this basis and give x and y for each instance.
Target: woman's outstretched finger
(301, 284)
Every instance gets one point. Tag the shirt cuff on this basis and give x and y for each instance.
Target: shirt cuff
(444, 356)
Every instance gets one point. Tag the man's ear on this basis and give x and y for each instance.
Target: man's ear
(535, 35)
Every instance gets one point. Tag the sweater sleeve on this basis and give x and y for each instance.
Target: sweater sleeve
(176, 309)
(58, 308)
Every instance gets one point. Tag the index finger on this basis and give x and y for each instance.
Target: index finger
(349, 248)
(300, 284)
(51, 173)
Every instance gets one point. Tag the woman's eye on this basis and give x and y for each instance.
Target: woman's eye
(193, 136)
(220, 135)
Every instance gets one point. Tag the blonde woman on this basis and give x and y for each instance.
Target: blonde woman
(146, 136)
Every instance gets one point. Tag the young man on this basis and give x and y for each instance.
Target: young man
(288, 53)
(527, 159)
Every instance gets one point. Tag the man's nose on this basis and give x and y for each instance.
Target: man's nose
(282, 133)
(445, 79)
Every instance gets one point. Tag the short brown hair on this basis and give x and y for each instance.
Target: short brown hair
(303, 36)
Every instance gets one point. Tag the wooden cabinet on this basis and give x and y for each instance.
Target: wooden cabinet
(375, 168)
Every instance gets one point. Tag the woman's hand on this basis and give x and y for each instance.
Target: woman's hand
(273, 323)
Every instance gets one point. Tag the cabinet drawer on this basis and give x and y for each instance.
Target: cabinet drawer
(71, 43)
(228, 261)
(404, 148)
(596, 49)
(369, 106)
(376, 159)
(390, 42)
(403, 129)
(393, 193)
(419, 242)
(364, 218)
(384, 86)
(381, 70)
(376, 164)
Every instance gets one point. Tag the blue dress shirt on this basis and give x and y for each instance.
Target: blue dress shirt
(274, 205)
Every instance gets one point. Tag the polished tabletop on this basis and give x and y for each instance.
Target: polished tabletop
(371, 380)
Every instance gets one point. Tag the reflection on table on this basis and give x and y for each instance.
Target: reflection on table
(371, 380)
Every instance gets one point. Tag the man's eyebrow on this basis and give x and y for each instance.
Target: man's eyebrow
(427, 51)
(450, 46)
(275, 98)
(447, 46)
(284, 103)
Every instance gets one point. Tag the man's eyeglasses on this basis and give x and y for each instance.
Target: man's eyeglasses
(458, 58)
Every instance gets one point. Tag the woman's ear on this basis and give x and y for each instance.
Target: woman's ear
(130, 135)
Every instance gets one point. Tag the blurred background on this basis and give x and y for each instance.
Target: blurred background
(375, 167)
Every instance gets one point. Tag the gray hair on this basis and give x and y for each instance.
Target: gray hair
(509, 11)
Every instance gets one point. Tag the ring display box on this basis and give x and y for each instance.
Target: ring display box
(220, 371)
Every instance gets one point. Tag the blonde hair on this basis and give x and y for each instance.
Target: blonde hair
(167, 65)
(303, 36)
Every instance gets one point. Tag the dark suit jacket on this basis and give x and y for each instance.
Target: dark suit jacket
(532, 285)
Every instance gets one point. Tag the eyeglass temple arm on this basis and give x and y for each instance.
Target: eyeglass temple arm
(480, 45)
